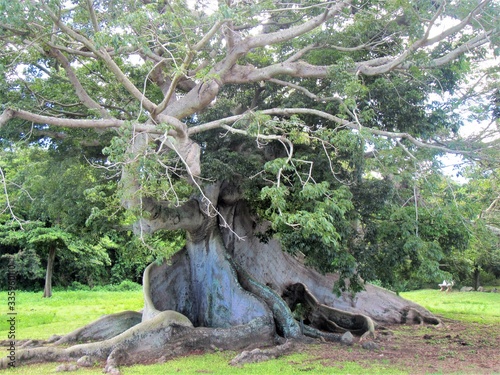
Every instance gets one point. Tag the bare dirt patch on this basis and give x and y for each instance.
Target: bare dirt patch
(454, 347)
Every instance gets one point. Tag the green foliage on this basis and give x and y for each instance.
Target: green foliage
(72, 207)
(408, 236)
(478, 198)
(124, 286)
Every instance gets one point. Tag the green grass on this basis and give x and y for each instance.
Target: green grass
(477, 307)
(65, 311)
(217, 363)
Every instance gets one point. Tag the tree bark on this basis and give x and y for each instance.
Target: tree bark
(267, 263)
(47, 290)
(476, 274)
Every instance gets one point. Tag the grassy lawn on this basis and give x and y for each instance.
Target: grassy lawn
(39, 318)
(464, 306)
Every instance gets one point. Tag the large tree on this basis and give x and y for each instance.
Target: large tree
(247, 125)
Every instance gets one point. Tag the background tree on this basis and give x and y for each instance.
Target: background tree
(46, 197)
(64, 215)
(245, 125)
(477, 200)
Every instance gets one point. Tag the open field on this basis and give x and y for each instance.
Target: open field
(467, 343)
(464, 306)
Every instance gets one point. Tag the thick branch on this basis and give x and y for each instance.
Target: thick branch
(122, 78)
(294, 68)
(163, 216)
(93, 16)
(296, 31)
(195, 100)
(301, 69)
(180, 129)
(187, 61)
(203, 94)
(472, 44)
(223, 124)
(9, 114)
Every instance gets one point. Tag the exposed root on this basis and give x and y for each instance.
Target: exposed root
(283, 317)
(261, 355)
(411, 315)
(324, 317)
(148, 334)
(322, 335)
(104, 328)
(202, 286)
(167, 335)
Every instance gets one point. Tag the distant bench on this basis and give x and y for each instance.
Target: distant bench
(446, 286)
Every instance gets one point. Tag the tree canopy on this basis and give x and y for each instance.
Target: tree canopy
(291, 105)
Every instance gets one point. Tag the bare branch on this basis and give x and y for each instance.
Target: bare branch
(299, 54)
(7, 199)
(299, 8)
(180, 129)
(93, 17)
(127, 84)
(108, 60)
(454, 29)
(50, 74)
(79, 90)
(248, 73)
(474, 43)
(185, 64)
(305, 91)
(417, 44)
(223, 123)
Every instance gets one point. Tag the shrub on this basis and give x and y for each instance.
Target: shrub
(127, 285)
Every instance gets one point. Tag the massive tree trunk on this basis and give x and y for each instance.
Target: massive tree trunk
(227, 290)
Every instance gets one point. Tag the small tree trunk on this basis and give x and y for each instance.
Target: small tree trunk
(476, 276)
(47, 290)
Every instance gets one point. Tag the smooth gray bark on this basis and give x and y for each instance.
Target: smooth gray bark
(47, 290)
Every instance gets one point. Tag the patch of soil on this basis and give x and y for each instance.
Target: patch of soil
(453, 347)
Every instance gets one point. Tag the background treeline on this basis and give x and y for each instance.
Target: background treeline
(61, 205)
